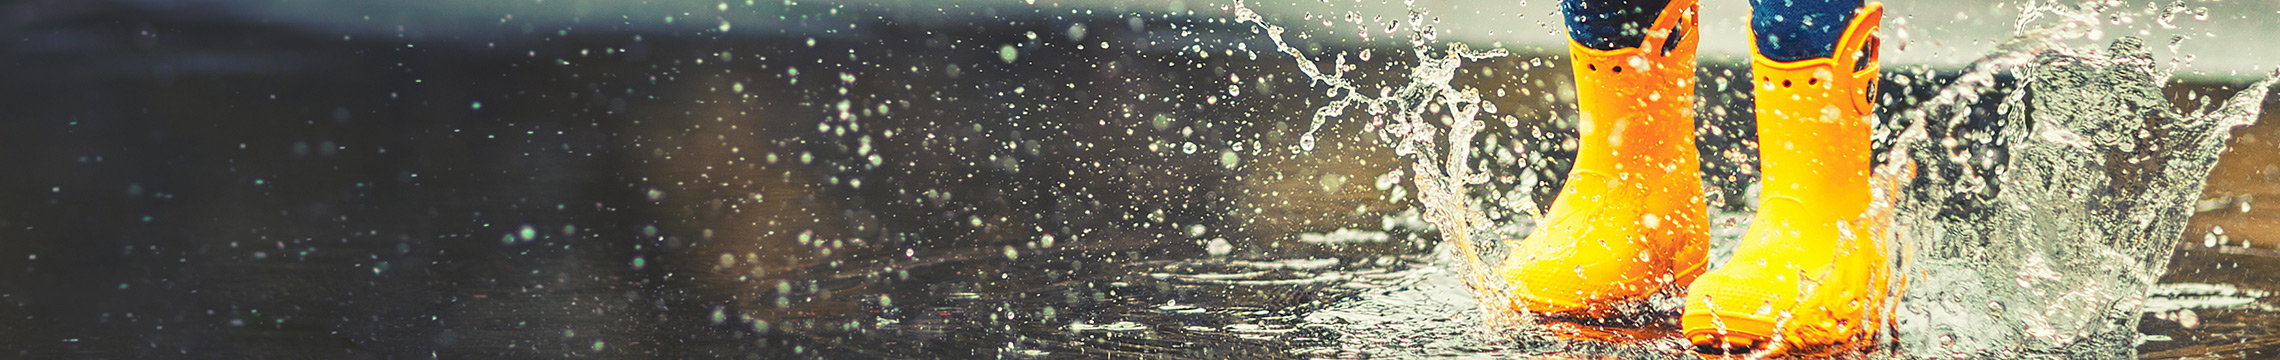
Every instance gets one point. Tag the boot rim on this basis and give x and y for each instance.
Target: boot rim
(1859, 33)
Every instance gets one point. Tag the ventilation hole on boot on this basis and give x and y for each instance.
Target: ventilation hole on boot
(1593, 67)
(1813, 81)
(1618, 69)
(1785, 83)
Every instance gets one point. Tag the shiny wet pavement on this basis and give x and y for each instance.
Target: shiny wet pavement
(187, 185)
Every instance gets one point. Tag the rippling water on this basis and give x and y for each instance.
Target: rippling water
(815, 179)
(2041, 240)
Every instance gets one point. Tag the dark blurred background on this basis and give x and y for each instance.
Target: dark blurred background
(556, 178)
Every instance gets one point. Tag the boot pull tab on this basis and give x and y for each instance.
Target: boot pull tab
(1858, 51)
(1671, 28)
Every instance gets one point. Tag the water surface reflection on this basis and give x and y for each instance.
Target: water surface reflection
(198, 184)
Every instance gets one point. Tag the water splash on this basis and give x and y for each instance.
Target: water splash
(2102, 175)
(2038, 236)
(1426, 120)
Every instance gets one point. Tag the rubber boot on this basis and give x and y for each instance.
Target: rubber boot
(1630, 221)
(1810, 275)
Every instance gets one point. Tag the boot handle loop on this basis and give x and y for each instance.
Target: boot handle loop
(1858, 35)
(1666, 25)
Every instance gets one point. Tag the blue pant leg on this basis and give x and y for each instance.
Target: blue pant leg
(1792, 30)
(1610, 24)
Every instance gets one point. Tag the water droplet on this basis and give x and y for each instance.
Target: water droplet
(1218, 247)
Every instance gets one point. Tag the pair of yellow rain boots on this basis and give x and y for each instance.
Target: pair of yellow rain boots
(1810, 273)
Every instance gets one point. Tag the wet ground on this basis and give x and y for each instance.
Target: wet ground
(191, 185)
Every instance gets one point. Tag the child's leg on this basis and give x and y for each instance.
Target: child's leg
(1610, 24)
(1811, 273)
(1630, 221)
(1793, 30)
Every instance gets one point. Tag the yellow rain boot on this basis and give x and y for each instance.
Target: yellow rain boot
(1810, 275)
(1630, 221)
